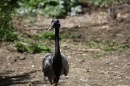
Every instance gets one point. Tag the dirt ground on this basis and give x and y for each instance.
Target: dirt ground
(112, 68)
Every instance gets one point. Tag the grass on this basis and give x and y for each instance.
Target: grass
(41, 42)
(32, 47)
(96, 56)
(36, 43)
(106, 45)
(65, 35)
(103, 47)
(45, 35)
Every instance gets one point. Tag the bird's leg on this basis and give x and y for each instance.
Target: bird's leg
(56, 80)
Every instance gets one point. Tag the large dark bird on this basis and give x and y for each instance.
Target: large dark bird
(55, 64)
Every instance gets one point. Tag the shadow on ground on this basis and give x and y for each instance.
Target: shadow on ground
(16, 79)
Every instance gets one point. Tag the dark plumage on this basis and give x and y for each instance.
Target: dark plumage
(55, 64)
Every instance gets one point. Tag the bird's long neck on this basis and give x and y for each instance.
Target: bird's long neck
(57, 46)
(57, 61)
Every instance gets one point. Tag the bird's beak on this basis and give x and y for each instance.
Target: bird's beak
(51, 27)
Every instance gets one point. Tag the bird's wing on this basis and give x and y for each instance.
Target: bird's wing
(47, 63)
(65, 65)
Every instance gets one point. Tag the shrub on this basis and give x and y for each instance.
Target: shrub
(31, 47)
(21, 47)
(38, 48)
(45, 35)
(49, 8)
(6, 30)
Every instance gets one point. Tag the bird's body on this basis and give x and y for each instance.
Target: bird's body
(56, 64)
(48, 67)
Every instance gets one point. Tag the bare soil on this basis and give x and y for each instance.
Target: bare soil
(88, 66)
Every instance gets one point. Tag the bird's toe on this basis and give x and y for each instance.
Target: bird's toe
(55, 84)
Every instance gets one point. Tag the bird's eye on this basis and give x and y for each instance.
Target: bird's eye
(57, 22)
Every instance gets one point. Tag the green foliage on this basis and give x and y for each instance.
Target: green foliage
(8, 4)
(35, 46)
(45, 35)
(53, 11)
(106, 3)
(65, 35)
(49, 8)
(38, 48)
(22, 47)
(124, 46)
(6, 30)
(74, 10)
(98, 55)
(31, 47)
(94, 42)
(109, 45)
(106, 45)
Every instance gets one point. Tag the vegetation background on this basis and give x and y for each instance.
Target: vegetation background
(46, 8)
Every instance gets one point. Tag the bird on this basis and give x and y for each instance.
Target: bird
(55, 64)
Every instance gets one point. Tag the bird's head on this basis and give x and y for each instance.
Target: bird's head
(54, 24)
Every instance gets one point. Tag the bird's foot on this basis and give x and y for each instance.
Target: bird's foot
(55, 84)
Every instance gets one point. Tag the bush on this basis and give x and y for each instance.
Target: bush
(45, 35)
(22, 47)
(49, 8)
(31, 47)
(38, 48)
(6, 30)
